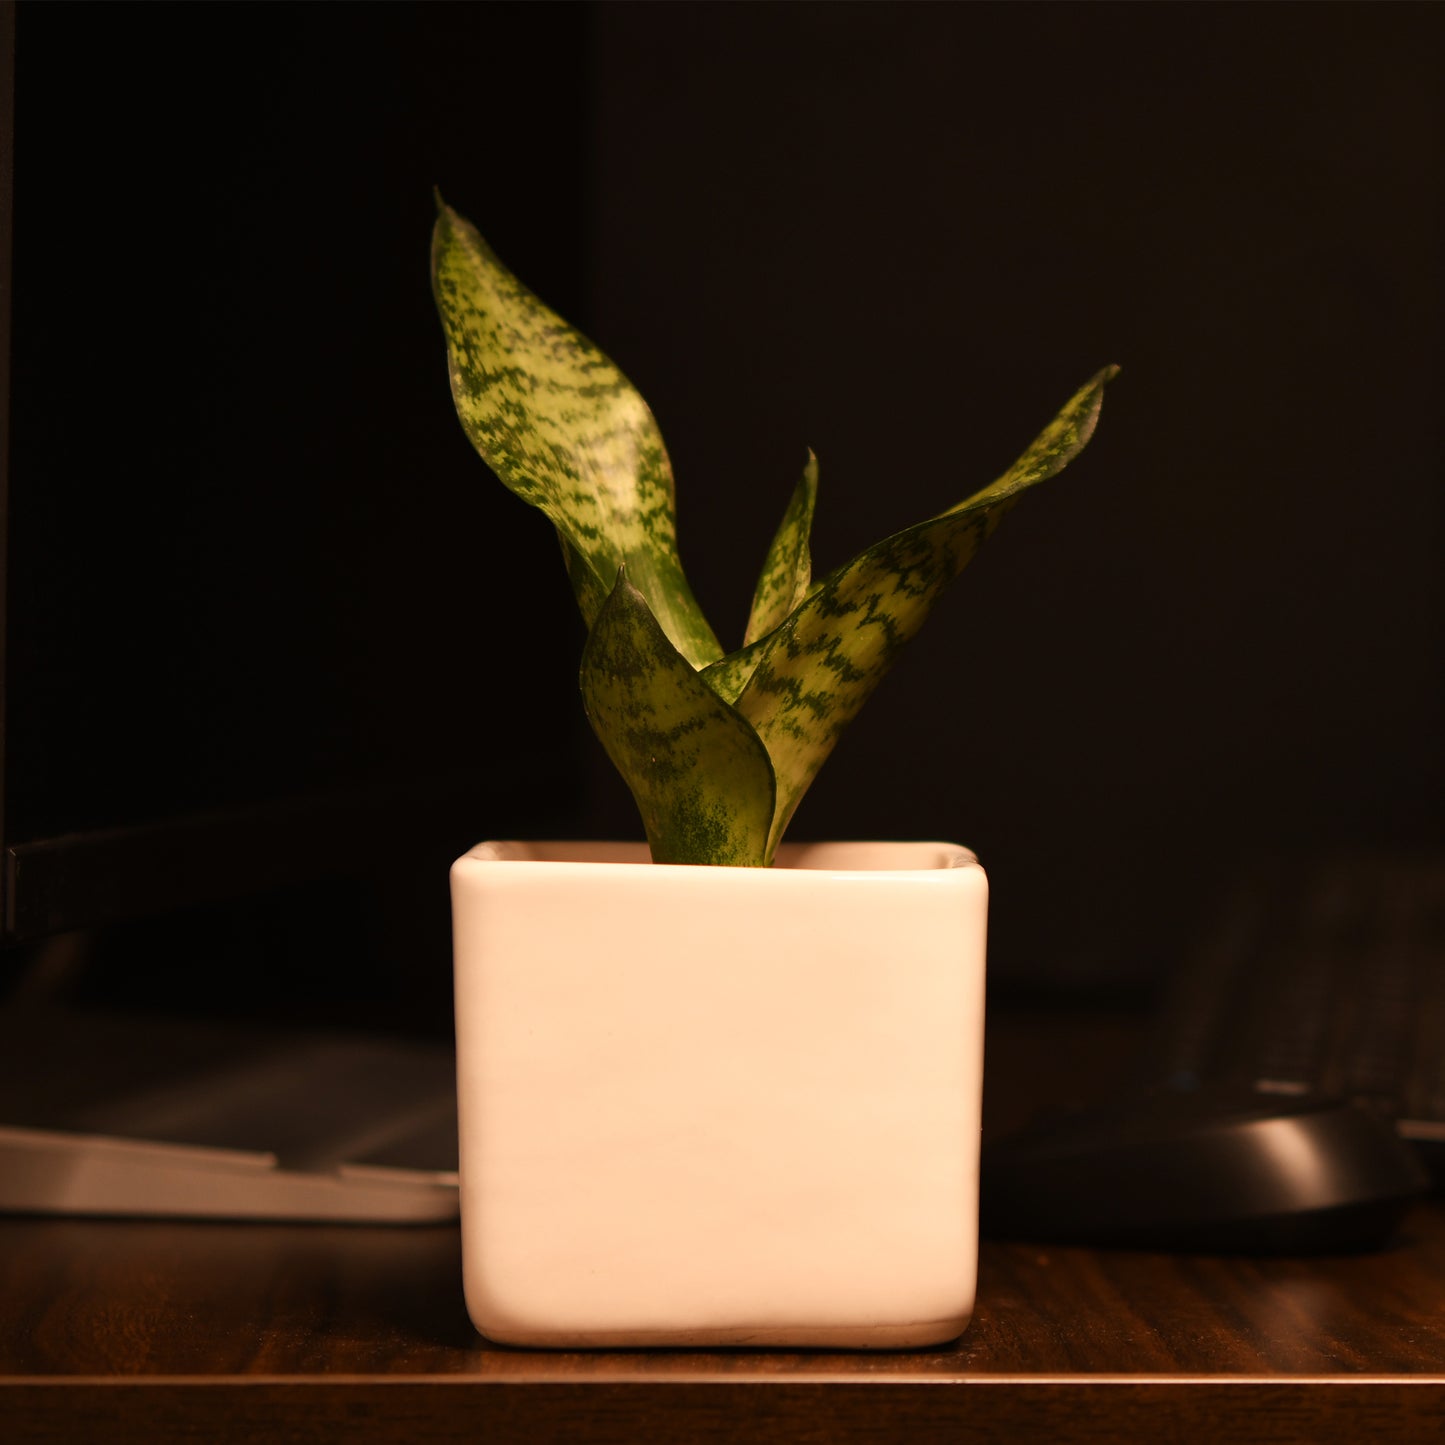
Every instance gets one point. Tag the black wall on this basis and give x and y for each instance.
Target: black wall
(902, 234)
(252, 557)
(252, 553)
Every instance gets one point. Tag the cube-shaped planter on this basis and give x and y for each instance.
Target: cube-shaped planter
(719, 1106)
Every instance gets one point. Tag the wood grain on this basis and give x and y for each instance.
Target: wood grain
(127, 1299)
(126, 1330)
(362, 1412)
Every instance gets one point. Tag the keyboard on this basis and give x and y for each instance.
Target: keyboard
(1322, 977)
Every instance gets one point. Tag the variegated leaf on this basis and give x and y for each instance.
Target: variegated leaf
(788, 568)
(729, 675)
(564, 429)
(817, 669)
(698, 772)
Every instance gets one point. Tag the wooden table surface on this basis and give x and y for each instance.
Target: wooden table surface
(123, 1330)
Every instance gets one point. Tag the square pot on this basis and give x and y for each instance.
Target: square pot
(719, 1106)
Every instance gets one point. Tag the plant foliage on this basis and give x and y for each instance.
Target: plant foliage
(718, 749)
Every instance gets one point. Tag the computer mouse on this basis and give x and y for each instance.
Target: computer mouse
(1212, 1169)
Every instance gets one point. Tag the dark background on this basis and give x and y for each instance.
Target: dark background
(252, 557)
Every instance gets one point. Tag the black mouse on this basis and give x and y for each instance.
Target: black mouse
(1214, 1169)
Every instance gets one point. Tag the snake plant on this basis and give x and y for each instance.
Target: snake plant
(717, 747)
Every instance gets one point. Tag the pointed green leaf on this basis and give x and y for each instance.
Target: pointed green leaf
(729, 675)
(820, 666)
(788, 569)
(698, 772)
(564, 429)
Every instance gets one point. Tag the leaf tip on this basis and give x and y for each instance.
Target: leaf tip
(445, 214)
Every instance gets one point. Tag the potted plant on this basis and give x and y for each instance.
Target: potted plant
(713, 1089)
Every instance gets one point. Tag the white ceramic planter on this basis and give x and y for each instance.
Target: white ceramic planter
(719, 1106)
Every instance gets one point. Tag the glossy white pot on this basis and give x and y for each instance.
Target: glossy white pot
(719, 1106)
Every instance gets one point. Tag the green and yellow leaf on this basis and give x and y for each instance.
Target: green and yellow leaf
(564, 429)
(812, 674)
(729, 675)
(788, 568)
(698, 772)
